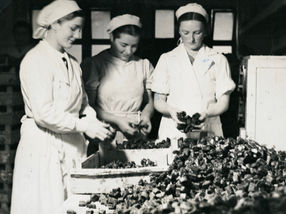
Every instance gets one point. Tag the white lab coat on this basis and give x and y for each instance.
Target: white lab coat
(49, 145)
(191, 87)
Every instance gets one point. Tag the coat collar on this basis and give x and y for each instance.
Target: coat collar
(51, 50)
(57, 56)
(204, 51)
(203, 61)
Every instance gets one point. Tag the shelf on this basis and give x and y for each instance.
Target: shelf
(269, 12)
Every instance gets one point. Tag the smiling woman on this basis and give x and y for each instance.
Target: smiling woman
(71, 28)
(119, 83)
(124, 41)
(52, 141)
(63, 32)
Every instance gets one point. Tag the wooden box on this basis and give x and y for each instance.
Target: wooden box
(161, 157)
(88, 181)
(93, 179)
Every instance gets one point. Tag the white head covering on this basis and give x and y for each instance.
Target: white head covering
(122, 20)
(192, 8)
(51, 13)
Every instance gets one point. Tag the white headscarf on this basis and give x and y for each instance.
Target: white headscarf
(51, 13)
(122, 20)
(192, 8)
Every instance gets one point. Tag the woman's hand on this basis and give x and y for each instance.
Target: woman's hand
(97, 129)
(161, 105)
(127, 125)
(145, 125)
(203, 116)
(173, 113)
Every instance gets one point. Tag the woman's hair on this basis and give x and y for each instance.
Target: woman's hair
(132, 30)
(78, 13)
(192, 16)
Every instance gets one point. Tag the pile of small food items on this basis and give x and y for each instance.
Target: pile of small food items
(213, 175)
(145, 162)
(188, 123)
(141, 143)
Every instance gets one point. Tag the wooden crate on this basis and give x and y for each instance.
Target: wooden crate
(161, 157)
(89, 181)
(93, 179)
(72, 204)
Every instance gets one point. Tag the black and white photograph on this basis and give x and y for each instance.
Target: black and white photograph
(143, 107)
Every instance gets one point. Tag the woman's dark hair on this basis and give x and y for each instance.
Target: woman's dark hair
(78, 13)
(192, 16)
(132, 30)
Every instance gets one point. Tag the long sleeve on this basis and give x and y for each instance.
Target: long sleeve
(91, 80)
(37, 82)
(86, 109)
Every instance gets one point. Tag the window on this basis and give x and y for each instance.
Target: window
(76, 51)
(223, 28)
(99, 35)
(223, 49)
(164, 24)
(99, 22)
(98, 48)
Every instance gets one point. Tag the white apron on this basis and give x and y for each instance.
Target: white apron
(191, 88)
(119, 87)
(49, 147)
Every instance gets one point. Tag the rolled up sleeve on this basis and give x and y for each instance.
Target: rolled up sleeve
(160, 82)
(148, 73)
(224, 82)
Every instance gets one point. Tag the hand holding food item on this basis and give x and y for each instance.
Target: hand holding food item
(188, 123)
(94, 128)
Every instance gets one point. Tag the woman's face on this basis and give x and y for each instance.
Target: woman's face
(68, 31)
(124, 46)
(192, 33)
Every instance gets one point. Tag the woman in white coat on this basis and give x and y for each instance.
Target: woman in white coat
(192, 77)
(52, 141)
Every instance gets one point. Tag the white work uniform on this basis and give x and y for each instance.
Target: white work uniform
(49, 146)
(119, 85)
(191, 87)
